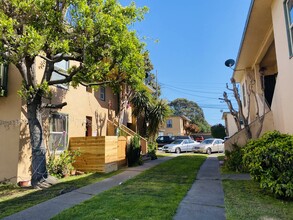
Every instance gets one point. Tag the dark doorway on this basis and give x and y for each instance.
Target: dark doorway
(88, 131)
(270, 82)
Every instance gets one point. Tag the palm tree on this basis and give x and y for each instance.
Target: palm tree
(158, 112)
(141, 101)
(151, 112)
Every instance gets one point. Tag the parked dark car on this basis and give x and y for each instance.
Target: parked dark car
(181, 137)
(163, 140)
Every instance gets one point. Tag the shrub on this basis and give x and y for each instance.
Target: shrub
(233, 161)
(61, 165)
(133, 151)
(152, 150)
(270, 162)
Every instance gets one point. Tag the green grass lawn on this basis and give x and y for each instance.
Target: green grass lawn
(245, 200)
(14, 199)
(154, 194)
(221, 157)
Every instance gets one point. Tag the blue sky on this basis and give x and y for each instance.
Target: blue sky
(195, 38)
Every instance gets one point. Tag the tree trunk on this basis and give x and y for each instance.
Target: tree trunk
(39, 170)
(248, 131)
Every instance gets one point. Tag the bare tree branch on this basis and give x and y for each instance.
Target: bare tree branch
(54, 106)
(227, 87)
(67, 79)
(61, 56)
(46, 58)
(96, 84)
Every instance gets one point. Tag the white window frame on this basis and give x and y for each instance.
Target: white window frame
(161, 133)
(169, 123)
(289, 24)
(60, 67)
(60, 144)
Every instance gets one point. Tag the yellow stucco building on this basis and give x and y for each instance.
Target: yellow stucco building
(264, 68)
(86, 114)
(174, 126)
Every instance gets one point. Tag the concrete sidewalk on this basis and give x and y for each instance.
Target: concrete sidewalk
(205, 199)
(52, 207)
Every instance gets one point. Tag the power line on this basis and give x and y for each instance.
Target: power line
(190, 93)
(195, 91)
(191, 90)
(204, 106)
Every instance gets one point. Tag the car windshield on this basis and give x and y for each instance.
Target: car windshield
(177, 142)
(207, 141)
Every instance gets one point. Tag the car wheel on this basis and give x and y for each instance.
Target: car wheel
(177, 150)
(209, 151)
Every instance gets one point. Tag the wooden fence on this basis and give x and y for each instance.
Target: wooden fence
(112, 125)
(99, 154)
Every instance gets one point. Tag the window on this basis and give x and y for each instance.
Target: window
(288, 5)
(185, 142)
(102, 93)
(58, 132)
(169, 123)
(218, 142)
(161, 133)
(61, 66)
(3, 79)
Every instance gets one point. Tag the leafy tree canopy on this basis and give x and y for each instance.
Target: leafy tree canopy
(191, 129)
(191, 110)
(218, 131)
(151, 77)
(92, 34)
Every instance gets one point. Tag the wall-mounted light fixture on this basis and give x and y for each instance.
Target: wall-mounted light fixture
(229, 63)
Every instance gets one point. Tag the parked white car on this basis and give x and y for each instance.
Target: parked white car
(210, 145)
(180, 145)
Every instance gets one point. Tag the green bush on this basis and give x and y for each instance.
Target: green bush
(233, 160)
(152, 147)
(133, 151)
(61, 165)
(270, 162)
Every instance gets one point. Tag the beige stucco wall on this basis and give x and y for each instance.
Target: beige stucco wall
(177, 126)
(15, 156)
(282, 102)
(230, 125)
(81, 104)
(240, 137)
(10, 127)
